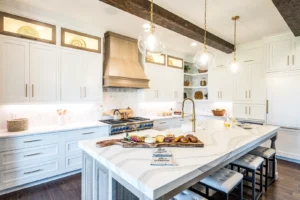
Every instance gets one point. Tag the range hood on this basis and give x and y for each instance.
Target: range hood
(121, 63)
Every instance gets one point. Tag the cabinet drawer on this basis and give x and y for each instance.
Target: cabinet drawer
(72, 147)
(27, 141)
(87, 133)
(18, 157)
(73, 162)
(160, 123)
(18, 176)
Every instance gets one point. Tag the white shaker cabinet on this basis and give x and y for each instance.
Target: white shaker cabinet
(93, 77)
(249, 111)
(81, 76)
(14, 70)
(166, 84)
(280, 53)
(242, 83)
(43, 73)
(72, 76)
(220, 84)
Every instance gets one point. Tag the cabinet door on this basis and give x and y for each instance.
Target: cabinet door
(280, 53)
(258, 89)
(240, 111)
(257, 112)
(14, 69)
(72, 76)
(296, 55)
(93, 77)
(242, 85)
(43, 73)
(250, 56)
(215, 77)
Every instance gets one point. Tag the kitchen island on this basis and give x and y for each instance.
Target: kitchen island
(118, 173)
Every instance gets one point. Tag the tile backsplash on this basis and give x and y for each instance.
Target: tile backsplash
(43, 115)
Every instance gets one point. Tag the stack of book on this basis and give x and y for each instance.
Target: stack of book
(162, 157)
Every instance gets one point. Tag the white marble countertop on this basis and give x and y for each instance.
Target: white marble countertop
(133, 165)
(51, 129)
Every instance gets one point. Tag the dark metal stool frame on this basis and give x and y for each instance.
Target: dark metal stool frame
(252, 179)
(207, 187)
(266, 175)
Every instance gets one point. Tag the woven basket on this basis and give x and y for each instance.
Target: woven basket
(218, 112)
(16, 125)
(202, 71)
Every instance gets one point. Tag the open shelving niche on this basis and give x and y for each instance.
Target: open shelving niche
(195, 77)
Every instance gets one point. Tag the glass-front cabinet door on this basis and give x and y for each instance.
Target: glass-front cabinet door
(17, 26)
(82, 41)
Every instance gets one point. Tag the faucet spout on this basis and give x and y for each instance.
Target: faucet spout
(194, 113)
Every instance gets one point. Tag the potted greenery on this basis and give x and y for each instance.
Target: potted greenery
(186, 68)
(206, 96)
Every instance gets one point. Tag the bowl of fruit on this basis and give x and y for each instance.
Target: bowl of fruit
(219, 112)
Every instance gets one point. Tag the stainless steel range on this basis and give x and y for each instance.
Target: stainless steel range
(128, 125)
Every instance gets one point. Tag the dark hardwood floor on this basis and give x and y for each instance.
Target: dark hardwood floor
(286, 188)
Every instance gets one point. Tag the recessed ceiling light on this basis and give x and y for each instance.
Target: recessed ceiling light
(146, 26)
(194, 44)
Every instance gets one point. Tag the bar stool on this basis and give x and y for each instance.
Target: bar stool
(223, 181)
(269, 155)
(251, 163)
(188, 195)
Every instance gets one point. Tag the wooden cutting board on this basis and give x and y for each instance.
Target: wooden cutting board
(127, 144)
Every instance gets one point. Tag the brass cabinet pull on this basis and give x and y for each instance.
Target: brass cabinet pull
(249, 110)
(84, 91)
(248, 61)
(267, 107)
(34, 171)
(293, 59)
(34, 154)
(249, 94)
(32, 92)
(88, 133)
(246, 94)
(162, 122)
(26, 90)
(221, 92)
(29, 141)
(288, 60)
(246, 110)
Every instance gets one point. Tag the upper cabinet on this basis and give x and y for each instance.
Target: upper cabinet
(81, 76)
(220, 84)
(166, 84)
(250, 81)
(29, 72)
(21, 27)
(82, 41)
(284, 53)
(14, 70)
(280, 53)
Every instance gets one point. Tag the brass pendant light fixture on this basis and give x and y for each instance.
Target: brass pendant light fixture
(234, 66)
(149, 39)
(203, 57)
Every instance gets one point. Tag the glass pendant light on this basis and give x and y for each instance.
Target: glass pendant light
(149, 39)
(234, 66)
(203, 57)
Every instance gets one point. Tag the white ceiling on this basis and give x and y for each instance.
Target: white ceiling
(259, 18)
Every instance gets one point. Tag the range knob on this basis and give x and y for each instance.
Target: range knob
(140, 126)
(113, 130)
(127, 128)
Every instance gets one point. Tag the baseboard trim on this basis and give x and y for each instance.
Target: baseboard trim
(9, 190)
(288, 159)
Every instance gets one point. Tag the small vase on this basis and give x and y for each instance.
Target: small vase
(61, 120)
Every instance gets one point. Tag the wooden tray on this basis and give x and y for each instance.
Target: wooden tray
(127, 144)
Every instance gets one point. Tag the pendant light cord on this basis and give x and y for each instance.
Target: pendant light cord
(205, 8)
(151, 17)
(235, 39)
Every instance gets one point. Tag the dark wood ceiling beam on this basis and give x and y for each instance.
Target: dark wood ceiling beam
(166, 19)
(290, 11)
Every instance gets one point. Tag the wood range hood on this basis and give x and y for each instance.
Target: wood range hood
(121, 63)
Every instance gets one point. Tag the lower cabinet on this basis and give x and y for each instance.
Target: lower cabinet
(33, 158)
(163, 124)
(250, 111)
